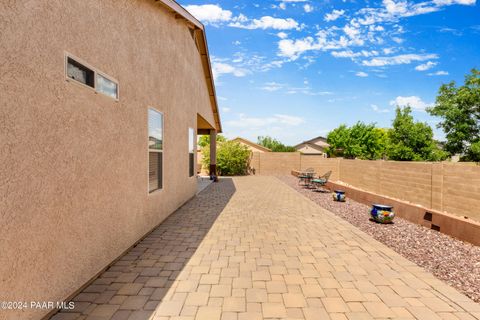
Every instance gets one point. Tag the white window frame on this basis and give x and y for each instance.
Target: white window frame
(156, 151)
(95, 72)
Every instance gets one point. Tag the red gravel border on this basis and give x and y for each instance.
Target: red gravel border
(451, 260)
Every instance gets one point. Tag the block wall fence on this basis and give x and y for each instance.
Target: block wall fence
(442, 186)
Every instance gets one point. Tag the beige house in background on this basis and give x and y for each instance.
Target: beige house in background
(316, 145)
(101, 102)
(252, 146)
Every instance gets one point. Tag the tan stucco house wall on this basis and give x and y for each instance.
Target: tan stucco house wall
(316, 145)
(73, 162)
(306, 148)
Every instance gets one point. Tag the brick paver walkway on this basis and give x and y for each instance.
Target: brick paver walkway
(253, 248)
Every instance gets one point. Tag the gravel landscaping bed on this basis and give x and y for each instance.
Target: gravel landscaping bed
(449, 259)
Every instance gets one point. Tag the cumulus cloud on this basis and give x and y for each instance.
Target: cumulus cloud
(361, 74)
(413, 101)
(307, 8)
(399, 59)
(372, 26)
(209, 13)
(334, 15)
(221, 68)
(426, 66)
(267, 22)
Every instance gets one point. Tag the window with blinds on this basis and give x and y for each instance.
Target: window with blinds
(155, 150)
(191, 152)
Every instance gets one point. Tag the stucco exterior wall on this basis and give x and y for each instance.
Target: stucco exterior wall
(306, 149)
(73, 163)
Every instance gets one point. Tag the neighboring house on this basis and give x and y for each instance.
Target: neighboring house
(252, 146)
(101, 102)
(316, 145)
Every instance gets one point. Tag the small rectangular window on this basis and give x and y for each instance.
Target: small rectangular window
(191, 152)
(155, 150)
(80, 73)
(89, 76)
(107, 86)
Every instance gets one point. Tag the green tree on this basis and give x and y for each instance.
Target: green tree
(205, 140)
(412, 141)
(363, 141)
(459, 108)
(232, 158)
(274, 144)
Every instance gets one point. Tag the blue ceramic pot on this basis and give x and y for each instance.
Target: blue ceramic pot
(382, 213)
(338, 195)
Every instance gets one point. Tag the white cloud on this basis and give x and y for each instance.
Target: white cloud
(209, 13)
(282, 35)
(399, 59)
(350, 54)
(272, 86)
(308, 8)
(450, 2)
(245, 121)
(426, 66)
(334, 15)
(267, 22)
(282, 6)
(220, 68)
(439, 73)
(413, 101)
(379, 110)
(287, 89)
(361, 74)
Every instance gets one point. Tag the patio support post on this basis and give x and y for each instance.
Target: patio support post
(213, 155)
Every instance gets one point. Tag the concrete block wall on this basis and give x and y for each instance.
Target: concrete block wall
(446, 187)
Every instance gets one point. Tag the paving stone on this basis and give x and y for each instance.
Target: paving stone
(134, 302)
(104, 310)
(252, 248)
(273, 310)
(209, 313)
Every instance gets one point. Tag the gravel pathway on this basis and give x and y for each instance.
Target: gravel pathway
(451, 260)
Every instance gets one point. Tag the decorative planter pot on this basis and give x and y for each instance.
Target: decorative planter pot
(338, 195)
(382, 213)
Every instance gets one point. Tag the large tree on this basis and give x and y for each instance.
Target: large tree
(364, 141)
(274, 144)
(410, 140)
(459, 108)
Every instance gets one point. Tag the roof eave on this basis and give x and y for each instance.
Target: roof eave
(204, 54)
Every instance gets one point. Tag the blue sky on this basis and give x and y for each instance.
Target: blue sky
(295, 69)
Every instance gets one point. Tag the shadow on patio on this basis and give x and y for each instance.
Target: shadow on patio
(133, 286)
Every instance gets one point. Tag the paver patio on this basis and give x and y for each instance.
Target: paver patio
(253, 248)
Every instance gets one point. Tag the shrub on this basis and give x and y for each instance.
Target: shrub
(232, 158)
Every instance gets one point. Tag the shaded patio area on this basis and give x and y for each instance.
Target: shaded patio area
(253, 248)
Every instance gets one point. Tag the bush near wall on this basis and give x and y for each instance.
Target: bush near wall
(232, 158)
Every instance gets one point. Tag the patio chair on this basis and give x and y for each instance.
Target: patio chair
(321, 181)
(306, 176)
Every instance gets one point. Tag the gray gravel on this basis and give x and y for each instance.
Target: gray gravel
(451, 260)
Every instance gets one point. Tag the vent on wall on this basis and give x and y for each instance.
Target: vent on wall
(428, 216)
(435, 227)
